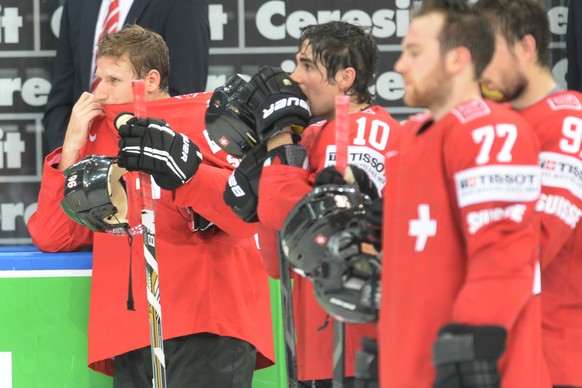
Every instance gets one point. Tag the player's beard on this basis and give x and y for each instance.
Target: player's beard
(513, 85)
(433, 90)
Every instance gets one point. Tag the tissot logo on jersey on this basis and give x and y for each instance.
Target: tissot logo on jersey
(371, 161)
(507, 183)
(476, 220)
(562, 171)
(284, 103)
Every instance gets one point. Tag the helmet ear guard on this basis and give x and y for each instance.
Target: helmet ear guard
(94, 195)
(229, 121)
(322, 239)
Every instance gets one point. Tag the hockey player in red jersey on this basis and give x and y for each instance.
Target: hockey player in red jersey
(461, 235)
(333, 59)
(214, 290)
(520, 71)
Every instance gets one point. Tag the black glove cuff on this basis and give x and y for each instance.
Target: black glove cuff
(289, 154)
(458, 343)
(367, 361)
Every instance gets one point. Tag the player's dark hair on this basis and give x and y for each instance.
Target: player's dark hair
(514, 19)
(146, 50)
(339, 45)
(463, 27)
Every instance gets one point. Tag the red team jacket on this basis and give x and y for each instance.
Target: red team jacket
(557, 120)
(372, 132)
(211, 281)
(461, 242)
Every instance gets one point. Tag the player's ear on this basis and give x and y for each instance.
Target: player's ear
(152, 81)
(527, 47)
(457, 59)
(345, 78)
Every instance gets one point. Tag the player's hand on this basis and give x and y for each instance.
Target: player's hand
(466, 356)
(242, 189)
(85, 110)
(354, 176)
(277, 103)
(151, 146)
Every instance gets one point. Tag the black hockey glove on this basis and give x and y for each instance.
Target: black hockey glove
(277, 103)
(466, 356)
(151, 146)
(354, 176)
(366, 373)
(242, 190)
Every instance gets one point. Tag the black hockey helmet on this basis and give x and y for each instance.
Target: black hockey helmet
(95, 196)
(323, 239)
(229, 121)
(323, 212)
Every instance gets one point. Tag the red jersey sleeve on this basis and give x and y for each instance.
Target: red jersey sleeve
(268, 245)
(557, 120)
(495, 181)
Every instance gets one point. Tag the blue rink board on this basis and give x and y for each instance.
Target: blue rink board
(29, 258)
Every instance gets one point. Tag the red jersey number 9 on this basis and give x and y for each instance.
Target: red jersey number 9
(572, 132)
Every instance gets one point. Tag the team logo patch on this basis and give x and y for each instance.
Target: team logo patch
(320, 239)
(505, 183)
(471, 110)
(564, 101)
(213, 146)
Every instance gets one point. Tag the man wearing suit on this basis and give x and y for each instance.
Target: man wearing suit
(183, 24)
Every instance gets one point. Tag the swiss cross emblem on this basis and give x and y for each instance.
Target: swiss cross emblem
(422, 228)
(551, 165)
(320, 239)
(223, 141)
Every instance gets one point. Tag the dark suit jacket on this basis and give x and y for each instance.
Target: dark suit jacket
(182, 23)
(574, 45)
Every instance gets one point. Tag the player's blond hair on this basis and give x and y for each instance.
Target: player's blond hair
(146, 50)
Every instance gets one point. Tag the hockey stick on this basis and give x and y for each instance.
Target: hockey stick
(341, 162)
(288, 319)
(342, 132)
(147, 195)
